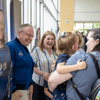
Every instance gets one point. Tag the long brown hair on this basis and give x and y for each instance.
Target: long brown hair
(41, 46)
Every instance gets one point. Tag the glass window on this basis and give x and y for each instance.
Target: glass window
(78, 26)
(87, 25)
(96, 25)
(82, 27)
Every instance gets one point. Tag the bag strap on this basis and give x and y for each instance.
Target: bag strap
(77, 91)
(97, 69)
(96, 66)
(96, 63)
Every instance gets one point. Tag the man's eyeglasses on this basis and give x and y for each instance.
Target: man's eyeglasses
(29, 35)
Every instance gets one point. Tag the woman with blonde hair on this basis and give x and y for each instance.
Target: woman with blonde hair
(81, 80)
(79, 36)
(43, 57)
(67, 45)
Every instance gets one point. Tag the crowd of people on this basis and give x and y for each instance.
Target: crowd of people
(50, 70)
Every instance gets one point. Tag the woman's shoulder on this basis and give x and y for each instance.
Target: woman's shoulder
(95, 53)
(37, 49)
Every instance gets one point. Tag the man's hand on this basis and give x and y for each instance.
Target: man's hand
(16, 95)
(30, 92)
(81, 65)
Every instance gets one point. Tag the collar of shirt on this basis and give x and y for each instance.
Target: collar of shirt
(47, 51)
(16, 39)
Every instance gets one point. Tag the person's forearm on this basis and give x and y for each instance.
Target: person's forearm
(37, 71)
(55, 79)
(63, 69)
(41, 73)
(51, 85)
(48, 93)
(30, 92)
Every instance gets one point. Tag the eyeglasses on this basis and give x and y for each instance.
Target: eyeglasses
(29, 35)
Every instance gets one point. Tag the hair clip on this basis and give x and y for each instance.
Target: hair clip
(62, 34)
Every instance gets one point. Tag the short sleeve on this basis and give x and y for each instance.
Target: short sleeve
(72, 61)
(34, 55)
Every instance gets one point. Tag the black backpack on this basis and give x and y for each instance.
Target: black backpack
(96, 86)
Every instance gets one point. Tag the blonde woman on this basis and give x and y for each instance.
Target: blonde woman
(83, 79)
(67, 45)
(43, 55)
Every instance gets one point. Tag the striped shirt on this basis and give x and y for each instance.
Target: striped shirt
(43, 62)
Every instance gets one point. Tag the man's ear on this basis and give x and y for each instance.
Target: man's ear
(19, 32)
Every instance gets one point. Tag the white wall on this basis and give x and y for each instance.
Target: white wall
(36, 13)
(87, 11)
(51, 7)
(8, 19)
(49, 22)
